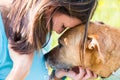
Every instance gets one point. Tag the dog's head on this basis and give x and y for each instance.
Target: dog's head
(100, 50)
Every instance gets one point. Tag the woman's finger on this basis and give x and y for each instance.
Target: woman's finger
(81, 74)
(60, 73)
(95, 75)
(89, 74)
(71, 74)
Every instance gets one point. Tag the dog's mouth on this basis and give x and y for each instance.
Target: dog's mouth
(60, 66)
(75, 69)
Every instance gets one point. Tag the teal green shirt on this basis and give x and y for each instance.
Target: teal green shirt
(5, 61)
(38, 70)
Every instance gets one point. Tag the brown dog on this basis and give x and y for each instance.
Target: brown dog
(102, 49)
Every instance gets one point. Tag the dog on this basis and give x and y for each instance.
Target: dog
(102, 49)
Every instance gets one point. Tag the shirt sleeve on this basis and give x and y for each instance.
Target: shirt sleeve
(5, 61)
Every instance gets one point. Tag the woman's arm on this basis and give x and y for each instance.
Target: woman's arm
(17, 73)
(21, 65)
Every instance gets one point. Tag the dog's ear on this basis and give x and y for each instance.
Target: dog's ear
(96, 44)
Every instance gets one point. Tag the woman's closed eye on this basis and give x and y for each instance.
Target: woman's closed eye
(63, 27)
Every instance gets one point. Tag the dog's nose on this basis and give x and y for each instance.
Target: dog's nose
(46, 56)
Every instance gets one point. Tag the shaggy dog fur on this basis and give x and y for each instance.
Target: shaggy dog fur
(102, 49)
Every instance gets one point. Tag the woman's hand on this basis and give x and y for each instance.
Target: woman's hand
(21, 64)
(83, 74)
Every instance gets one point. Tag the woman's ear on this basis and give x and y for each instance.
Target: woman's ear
(95, 44)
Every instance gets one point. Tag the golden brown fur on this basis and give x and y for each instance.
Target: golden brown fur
(102, 49)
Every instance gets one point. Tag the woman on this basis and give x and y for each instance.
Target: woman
(27, 23)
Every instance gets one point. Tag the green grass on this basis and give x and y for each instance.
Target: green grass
(108, 11)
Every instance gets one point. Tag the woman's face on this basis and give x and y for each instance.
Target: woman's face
(61, 21)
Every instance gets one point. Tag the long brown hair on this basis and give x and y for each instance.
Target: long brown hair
(26, 20)
(27, 25)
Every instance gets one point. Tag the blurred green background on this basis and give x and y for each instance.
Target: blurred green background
(107, 11)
